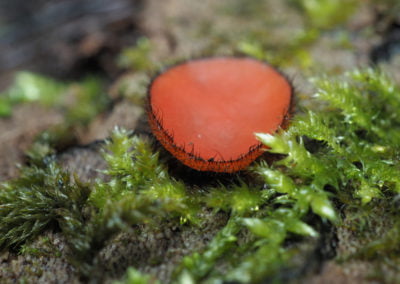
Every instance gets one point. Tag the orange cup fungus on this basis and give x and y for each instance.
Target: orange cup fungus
(205, 111)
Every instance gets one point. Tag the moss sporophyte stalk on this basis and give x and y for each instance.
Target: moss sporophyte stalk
(344, 153)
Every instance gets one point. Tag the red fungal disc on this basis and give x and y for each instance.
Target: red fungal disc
(205, 111)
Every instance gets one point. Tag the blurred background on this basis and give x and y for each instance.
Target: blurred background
(67, 38)
(70, 38)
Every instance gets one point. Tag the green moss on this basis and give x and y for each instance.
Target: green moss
(137, 57)
(200, 265)
(136, 172)
(341, 154)
(344, 153)
(306, 21)
(293, 52)
(326, 13)
(38, 198)
(5, 106)
(135, 277)
(139, 192)
(79, 101)
(47, 142)
(134, 87)
(241, 199)
(88, 100)
(42, 247)
(30, 87)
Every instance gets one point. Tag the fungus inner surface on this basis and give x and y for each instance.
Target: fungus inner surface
(212, 107)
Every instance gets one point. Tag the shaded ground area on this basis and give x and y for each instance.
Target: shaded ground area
(66, 39)
(178, 29)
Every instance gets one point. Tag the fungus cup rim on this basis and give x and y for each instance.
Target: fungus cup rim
(193, 160)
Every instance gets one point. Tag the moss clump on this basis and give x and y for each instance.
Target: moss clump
(294, 52)
(135, 172)
(135, 277)
(79, 101)
(359, 129)
(38, 198)
(325, 13)
(30, 87)
(137, 57)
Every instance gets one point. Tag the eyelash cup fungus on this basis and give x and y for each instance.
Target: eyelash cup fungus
(205, 111)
